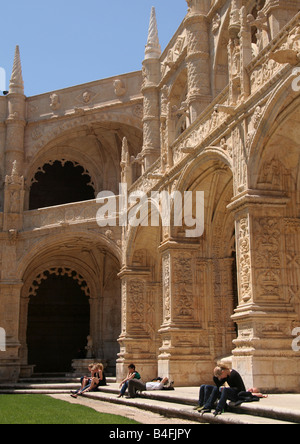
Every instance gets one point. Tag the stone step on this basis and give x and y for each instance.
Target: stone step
(54, 386)
(178, 403)
(42, 386)
(55, 381)
(49, 381)
(271, 412)
(181, 411)
(189, 397)
(33, 391)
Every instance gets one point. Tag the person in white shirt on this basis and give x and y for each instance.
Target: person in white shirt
(135, 385)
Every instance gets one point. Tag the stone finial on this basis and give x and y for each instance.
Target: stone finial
(125, 153)
(153, 49)
(14, 171)
(198, 6)
(126, 170)
(16, 82)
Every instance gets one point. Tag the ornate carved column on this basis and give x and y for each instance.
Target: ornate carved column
(199, 88)
(246, 53)
(234, 21)
(185, 354)
(264, 316)
(14, 192)
(10, 290)
(292, 249)
(137, 340)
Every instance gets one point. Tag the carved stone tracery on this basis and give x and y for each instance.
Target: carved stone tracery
(59, 271)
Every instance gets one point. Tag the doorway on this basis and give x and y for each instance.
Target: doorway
(58, 324)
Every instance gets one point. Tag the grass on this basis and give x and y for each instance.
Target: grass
(41, 409)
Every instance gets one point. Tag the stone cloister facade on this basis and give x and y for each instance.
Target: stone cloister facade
(217, 111)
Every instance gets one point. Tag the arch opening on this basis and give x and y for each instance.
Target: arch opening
(60, 183)
(58, 322)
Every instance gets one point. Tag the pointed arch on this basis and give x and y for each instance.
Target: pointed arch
(282, 101)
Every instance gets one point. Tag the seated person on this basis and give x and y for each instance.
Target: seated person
(132, 374)
(85, 380)
(97, 379)
(236, 385)
(138, 386)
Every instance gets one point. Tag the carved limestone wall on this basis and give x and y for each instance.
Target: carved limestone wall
(217, 111)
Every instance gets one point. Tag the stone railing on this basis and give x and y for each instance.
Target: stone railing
(79, 212)
(204, 128)
(273, 58)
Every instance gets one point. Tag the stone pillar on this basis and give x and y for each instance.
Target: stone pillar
(246, 54)
(224, 305)
(185, 354)
(137, 343)
(279, 13)
(10, 291)
(14, 193)
(265, 315)
(9, 320)
(26, 370)
(152, 75)
(199, 87)
(2, 146)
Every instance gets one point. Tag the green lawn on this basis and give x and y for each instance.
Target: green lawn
(40, 409)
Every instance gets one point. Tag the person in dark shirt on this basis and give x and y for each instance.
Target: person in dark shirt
(235, 384)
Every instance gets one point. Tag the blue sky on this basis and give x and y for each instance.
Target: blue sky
(69, 42)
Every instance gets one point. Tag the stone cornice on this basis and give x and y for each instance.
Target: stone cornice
(256, 198)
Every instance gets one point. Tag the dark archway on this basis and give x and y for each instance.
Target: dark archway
(60, 183)
(58, 324)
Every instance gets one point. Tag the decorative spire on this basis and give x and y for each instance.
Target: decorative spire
(153, 49)
(16, 82)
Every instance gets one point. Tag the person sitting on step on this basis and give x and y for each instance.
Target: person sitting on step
(95, 381)
(223, 375)
(132, 374)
